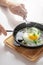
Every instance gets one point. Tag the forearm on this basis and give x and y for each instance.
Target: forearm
(5, 3)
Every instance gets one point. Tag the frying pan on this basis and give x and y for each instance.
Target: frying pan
(24, 25)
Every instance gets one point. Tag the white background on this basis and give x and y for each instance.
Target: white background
(9, 21)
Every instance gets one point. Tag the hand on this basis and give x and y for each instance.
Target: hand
(18, 10)
(14, 8)
(2, 30)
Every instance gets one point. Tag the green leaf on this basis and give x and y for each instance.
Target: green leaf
(34, 34)
(35, 41)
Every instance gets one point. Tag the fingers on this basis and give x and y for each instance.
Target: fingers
(20, 10)
(24, 11)
(2, 30)
(23, 6)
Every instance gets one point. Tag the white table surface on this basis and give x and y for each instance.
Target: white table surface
(9, 21)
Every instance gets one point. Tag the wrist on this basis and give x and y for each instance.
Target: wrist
(11, 4)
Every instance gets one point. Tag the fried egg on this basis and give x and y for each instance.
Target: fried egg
(31, 34)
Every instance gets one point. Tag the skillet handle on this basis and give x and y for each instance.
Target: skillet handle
(9, 30)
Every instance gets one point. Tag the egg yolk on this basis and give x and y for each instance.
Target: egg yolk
(33, 37)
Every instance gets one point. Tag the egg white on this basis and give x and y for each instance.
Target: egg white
(26, 38)
(26, 35)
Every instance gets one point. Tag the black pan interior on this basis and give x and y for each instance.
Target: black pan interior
(24, 25)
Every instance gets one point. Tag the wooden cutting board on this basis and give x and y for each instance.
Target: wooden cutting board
(30, 54)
